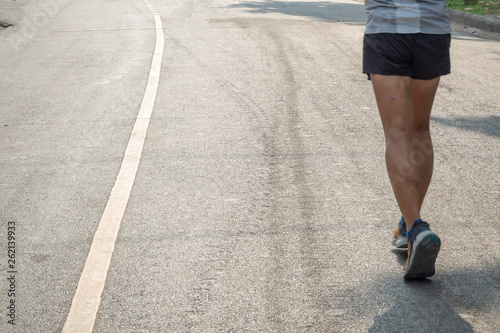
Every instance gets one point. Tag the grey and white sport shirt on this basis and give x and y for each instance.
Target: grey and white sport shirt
(407, 17)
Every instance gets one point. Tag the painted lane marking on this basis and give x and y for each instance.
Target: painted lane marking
(83, 311)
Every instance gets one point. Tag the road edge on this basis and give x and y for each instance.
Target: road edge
(474, 21)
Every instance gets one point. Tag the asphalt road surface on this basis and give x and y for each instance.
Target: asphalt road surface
(261, 201)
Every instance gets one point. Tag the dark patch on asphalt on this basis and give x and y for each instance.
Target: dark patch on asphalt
(4, 25)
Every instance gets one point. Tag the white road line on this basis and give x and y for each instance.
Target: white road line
(83, 311)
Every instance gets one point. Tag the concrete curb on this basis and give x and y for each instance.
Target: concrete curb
(474, 21)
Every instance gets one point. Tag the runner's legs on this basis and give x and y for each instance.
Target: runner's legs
(405, 106)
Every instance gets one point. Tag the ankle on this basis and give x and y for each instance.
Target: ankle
(410, 230)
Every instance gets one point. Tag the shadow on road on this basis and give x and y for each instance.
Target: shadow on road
(486, 125)
(322, 11)
(424, 312)
(439, 304)
(401, 256)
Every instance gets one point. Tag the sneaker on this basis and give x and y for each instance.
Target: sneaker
(423, 248)
(400, 239)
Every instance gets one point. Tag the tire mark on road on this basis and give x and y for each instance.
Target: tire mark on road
(285, 180)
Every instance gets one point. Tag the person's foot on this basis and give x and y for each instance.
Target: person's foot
(400, 240)
(423, 248)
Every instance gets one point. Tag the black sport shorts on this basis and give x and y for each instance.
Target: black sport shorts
(419, 56)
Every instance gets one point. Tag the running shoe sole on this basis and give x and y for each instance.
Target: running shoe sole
(423, 256)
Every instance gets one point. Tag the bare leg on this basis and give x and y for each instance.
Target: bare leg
(405, 106)
(422, 94)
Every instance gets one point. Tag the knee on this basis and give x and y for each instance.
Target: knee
(398, 134)
(421, 128)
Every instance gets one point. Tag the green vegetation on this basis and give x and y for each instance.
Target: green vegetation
(479, 7)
